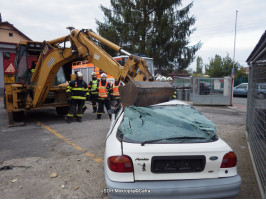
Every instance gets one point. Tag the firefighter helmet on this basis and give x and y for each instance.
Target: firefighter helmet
(93, 74)
(163, 78)
(158, 78)
(169, 79)
(79, 74)
(103, 75)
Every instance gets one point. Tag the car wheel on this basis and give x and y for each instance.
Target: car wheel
(18, 116)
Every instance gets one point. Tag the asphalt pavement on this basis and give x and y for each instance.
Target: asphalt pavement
(240, 103)
(48, 158)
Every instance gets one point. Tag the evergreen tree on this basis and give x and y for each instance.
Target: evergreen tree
(199, 65)
(155, 28)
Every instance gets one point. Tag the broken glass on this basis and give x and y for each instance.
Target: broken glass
(167, 124)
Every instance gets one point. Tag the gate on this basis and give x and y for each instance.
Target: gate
(212, 91)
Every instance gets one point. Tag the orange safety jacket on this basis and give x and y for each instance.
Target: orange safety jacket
(115, 90)
(103, 93)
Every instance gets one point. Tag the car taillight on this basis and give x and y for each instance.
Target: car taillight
(229, 160)
(120, 164)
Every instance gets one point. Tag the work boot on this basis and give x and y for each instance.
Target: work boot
(84, 109)
(79, 119)
(69, 119)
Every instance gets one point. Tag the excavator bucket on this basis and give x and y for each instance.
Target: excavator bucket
(145, 93)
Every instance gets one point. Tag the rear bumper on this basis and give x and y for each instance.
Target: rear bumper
(204, 188)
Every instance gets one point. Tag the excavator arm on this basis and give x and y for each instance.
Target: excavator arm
(141, 91)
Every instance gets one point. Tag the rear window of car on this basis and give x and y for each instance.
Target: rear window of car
(168, 124)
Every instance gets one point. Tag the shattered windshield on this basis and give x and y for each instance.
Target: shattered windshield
(165, 124)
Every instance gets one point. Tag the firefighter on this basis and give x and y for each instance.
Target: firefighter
(103, 88)
(33, 66)
(77, 92)
(115, 94)
(169, 79)
(93, 91)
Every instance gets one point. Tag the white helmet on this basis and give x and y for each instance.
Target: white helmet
(158, 78)
(103, 75)
(163, 78)
(79, 74)
(169, 79)
(93, 74)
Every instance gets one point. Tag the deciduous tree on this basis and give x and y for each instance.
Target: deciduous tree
(220, 67)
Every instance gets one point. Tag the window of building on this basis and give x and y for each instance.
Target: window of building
(6, 55)
(10, 34)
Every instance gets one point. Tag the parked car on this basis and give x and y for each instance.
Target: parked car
(168, 150)
(241, 90)
(261, 91)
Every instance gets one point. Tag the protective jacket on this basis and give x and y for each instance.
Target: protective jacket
(103, 90)
(93, 87)
(115, 91)
(78, 89)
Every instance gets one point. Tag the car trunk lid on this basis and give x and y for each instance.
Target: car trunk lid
(176, 161)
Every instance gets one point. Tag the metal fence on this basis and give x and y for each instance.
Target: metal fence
(184, 88)
(256, 111)
(256, 119)
(204, 91)
(212, 91)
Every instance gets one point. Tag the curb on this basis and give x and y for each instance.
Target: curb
(238, 107)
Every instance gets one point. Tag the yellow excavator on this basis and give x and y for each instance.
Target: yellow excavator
(44, 69)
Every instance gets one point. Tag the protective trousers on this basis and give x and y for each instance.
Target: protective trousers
(101, 108)
(93, 101)
(73, 104)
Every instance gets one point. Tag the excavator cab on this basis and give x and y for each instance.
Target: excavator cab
(26, 59)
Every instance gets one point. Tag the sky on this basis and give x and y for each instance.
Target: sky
(215, 22)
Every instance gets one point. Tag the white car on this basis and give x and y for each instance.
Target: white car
(168, 150)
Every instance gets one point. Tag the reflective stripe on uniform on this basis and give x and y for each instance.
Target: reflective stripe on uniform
(69, 88)
(174, 95)
(78, 97)
(80, 89)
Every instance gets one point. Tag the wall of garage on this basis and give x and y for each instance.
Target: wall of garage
(256, 110)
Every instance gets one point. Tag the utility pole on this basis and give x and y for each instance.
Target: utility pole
(235, 38)
(233, 69)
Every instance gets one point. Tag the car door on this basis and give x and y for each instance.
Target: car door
(241, 90)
